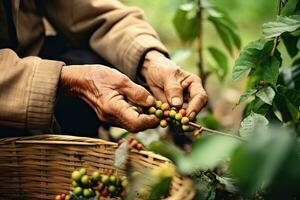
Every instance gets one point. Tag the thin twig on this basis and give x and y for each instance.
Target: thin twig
(277, 37)
(215, 132)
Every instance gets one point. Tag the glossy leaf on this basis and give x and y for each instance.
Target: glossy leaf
(290, 43)
(221, 60)
(246, 95)
(266, 94)
(185, 22)
(252, 123)
(253, 54)
(281, 25)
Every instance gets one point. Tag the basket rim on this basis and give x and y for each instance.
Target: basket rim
(71, 140)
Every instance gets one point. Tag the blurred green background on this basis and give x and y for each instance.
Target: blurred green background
(249, 16)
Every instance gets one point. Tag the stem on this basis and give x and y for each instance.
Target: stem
(276, 38)
(200, 42)
(215, 132)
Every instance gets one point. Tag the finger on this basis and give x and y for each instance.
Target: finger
(137, 94)
(174, 92)
(159, 94)
(132, 120)
(198, 98)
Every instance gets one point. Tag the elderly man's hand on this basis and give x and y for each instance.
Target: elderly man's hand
(108, 91)
(171, 84)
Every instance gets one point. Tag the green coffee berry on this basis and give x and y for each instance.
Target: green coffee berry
(159, 114)
(172, 113)
(152, 110)
(177, 123)
(82, 171)
(163, 123)
(124, 183)
(111, 189)
(104, 179)
(185, 127)
(178, 116)
(158, 104)
(96, 176)
(76, 175)
(74, 184)
(112, 179)
(165, 106)
(77, 191)
(85, 180)
(185, 120)
(87, 192)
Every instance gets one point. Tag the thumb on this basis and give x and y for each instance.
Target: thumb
(174, 92)
(137, 94)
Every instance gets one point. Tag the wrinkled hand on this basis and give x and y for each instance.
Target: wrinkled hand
(108, 92)
(171, 84)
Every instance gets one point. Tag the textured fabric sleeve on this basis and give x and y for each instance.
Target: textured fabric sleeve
(118, 33)
(27, 90)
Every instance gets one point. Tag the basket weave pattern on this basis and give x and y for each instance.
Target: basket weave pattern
(39, 167)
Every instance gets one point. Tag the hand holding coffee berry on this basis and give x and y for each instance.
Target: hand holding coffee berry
(169, 83)
(106, 90)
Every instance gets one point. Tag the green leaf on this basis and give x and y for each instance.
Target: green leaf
(289, 8)
(290, 42)
(205, 190)
(266, 94)
(161, 188)
(257, 162)
(185, 22)
(207, 153)
(252, 55)
(270, 71)
(221, 60)
(291, 94)
(281, 25)
(251, 123)
(288, 112)
(246, 95)
(257, 106)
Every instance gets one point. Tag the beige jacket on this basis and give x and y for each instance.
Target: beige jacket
(28, 84)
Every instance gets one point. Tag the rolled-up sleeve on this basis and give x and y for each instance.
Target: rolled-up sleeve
(27, 90)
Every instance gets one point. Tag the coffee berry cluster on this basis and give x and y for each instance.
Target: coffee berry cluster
(168, 115)
(97, 185)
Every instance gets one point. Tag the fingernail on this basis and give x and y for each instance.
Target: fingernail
(150, 100)
(192, 115)
(176, 101)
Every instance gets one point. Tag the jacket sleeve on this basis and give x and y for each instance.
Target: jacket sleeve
(27, 90)
(116, 32)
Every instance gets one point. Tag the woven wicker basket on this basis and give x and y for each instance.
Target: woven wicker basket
(39, 167)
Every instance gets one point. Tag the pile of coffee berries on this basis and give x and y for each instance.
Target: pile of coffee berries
(63, 197)
(167, 115)
(132, 143)
(96, 185)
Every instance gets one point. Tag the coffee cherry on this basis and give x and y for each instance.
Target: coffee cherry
(178, 116)
(96, 176)
(68, 197)
(163, 123)
(63, 196)
(87, 192)
(158, 104)
(74, 184)
(104, 192)
(172, 113)
(182, 112)
(159, 114)
(112, 179)
(123, 178)
(185, 120)
(185, 127)
(77, 191)
(85, 180)
(139, 146)
(111, 189)
(165, 106)
(58, 197)
(166, 113)
(82, 171)
(133, 143)
(104, 179)
(152, 110)
(124, 183)
(76, 175)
